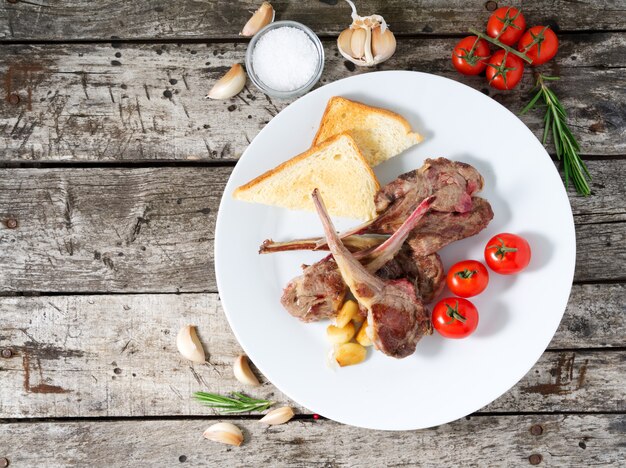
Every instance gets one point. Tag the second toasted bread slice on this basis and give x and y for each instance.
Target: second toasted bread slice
(336, 167)
(379, 133)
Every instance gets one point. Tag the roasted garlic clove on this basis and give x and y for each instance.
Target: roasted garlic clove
(230, 84)
(261, 18)
(189, 345)
(243, 373)
(368, 41)
(278, 416)
(341, 335)
(224, 433)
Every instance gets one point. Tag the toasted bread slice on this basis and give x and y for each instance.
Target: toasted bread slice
(336, 167)
(379, 133)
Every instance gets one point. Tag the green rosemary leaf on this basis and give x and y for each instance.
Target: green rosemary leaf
(546, 130)
(532, 103)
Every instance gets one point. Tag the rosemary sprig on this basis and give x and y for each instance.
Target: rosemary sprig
(236, 403)
(555, 123)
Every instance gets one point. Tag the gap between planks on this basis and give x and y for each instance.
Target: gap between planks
(143, 164)
(297, 417)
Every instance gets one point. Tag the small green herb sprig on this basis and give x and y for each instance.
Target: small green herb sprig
(555, 124)
(236, 403)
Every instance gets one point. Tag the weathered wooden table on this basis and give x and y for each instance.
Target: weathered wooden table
(113, 165)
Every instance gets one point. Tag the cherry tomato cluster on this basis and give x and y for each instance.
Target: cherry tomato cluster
(505, 67)
(456, 317)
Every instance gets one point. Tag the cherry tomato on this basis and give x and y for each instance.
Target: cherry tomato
(504, 73)
(454, 317)
(539, 44)
(507, 253)
(506, 24)
(467, 278)
(470, 55)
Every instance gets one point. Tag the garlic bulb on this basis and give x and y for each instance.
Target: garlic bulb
(189, 345)
(224, 433)
(261, 18)
(368, 41)
(277, 416)
(230, 84)
(243, 373)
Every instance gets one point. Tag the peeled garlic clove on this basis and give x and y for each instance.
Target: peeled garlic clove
(230, 84)
(383, 44)
(261, 18)
(278, 416)
(189, 345)
(224, 433)
(243, 373)
(343, 41)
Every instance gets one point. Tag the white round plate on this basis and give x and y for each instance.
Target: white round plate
(445, 379)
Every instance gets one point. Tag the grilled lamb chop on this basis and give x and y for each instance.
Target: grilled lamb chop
(437, 229)
(319, 291)
(452, 182)
(426, 273)
(396, 318)
(432, 233)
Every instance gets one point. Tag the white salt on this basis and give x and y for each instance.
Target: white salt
(285, 59)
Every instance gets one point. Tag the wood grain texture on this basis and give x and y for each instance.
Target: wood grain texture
(110, 229)
(151, 229)
(64, 366)
(74, 19)
(498, 441)
(86, 102)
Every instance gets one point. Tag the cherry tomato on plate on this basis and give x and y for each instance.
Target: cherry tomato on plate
(507, 253)
(539, 44)
(455, 317)
(504, 70)
(470, 55)
(507, 24)
(467, 278)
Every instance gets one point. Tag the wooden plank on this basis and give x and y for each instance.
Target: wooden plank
(73, 19)
(145, 101)
(594, 318)
(151, 229)
(110, 229)
(573, 440)
(64, 366)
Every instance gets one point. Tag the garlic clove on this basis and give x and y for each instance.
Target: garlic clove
(243, 373)
(278, 416)
(261, 18)
(343, 42)
(357, 43)
(189, 345)
(230, 84)
(383, 44)
(224, 433)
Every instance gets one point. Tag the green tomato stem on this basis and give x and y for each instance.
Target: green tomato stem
(496, 42)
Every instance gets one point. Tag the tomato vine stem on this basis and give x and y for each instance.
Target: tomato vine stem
(497, 43)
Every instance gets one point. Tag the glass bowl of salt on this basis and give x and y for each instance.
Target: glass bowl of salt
(285, 59)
